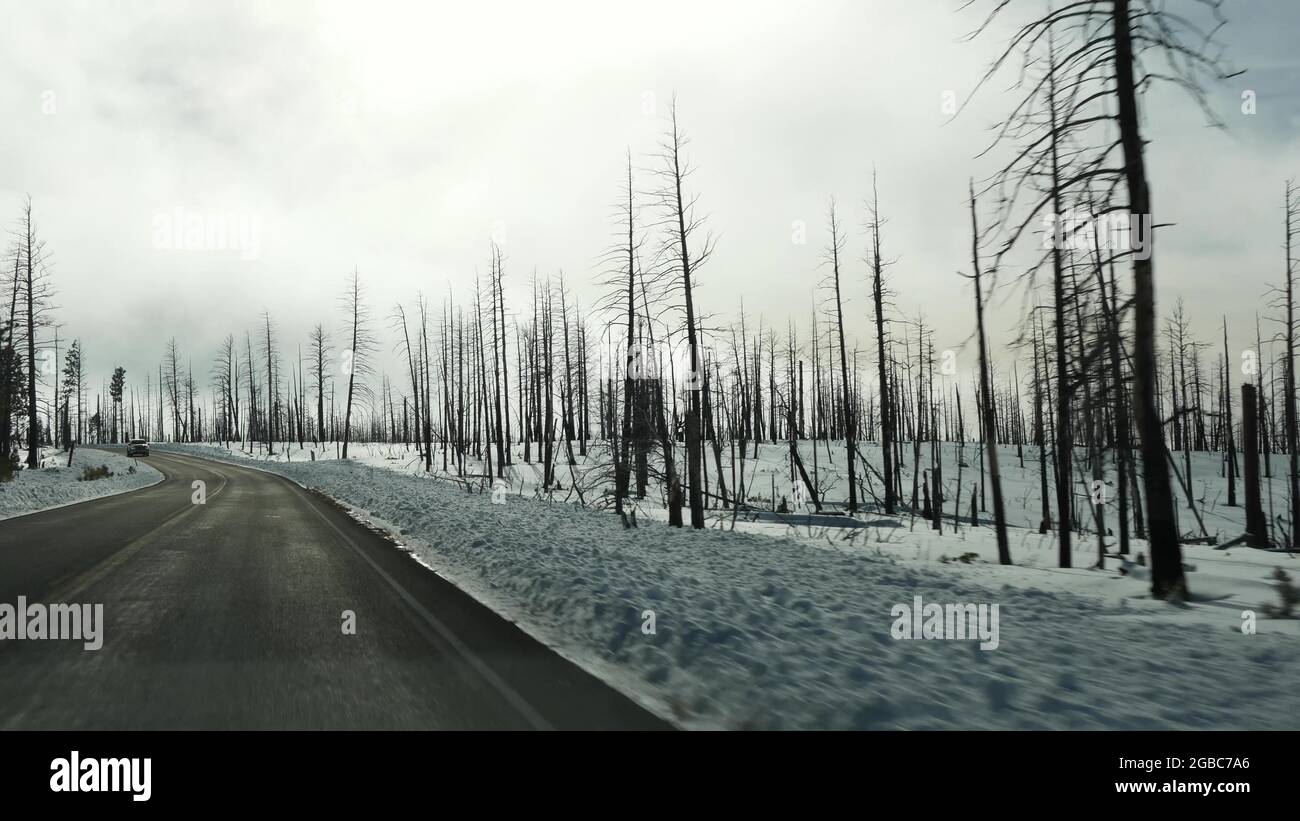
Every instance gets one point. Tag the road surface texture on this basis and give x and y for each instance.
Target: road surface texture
(229, 615)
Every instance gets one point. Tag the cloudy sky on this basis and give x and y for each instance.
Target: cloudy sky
(400, 138)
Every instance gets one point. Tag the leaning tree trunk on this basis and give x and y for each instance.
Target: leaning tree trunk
(694, 457)
(1064, 448)
(1167, 579)
(846, 385)
(986, 400)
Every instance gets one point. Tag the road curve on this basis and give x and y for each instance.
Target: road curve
(229, 615)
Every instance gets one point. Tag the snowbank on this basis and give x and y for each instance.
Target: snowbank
(57, 484)
(763, 632)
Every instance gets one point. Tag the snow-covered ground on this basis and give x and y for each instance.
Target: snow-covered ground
(56, 484)
(776, 626)
(771, 471)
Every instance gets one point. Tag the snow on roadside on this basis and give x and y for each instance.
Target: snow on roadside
(764, 632)
(57, 484)
(1224, 582)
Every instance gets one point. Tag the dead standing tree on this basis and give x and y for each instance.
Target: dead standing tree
(498, 358)
(1292, 211)
(425, 381)
(36, 293)
(887, 423)
(173, 385)
(269, 352)
(620, 280)
(1045, 171)
(686, 248)
(832, 258)
(320, 351)
(355, 361)
(413, 362)
(1230, 445)
(987, 418)
(1285, 301)
(650, 394)
(225, 382)
(1105, 69)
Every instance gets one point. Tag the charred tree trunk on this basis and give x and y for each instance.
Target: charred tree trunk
(1167, 578)
(1256, 529)
(845, 384)
(887, 453)
(986, 413)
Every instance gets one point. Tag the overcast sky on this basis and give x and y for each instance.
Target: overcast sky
(400, 138)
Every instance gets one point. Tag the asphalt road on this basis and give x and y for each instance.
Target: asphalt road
(229, 615)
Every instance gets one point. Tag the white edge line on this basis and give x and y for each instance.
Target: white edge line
(481, 667)
(611, 675)
(518, 702)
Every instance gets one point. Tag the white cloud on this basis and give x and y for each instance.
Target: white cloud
(393, 137)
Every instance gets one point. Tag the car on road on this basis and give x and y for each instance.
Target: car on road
(137, 447)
